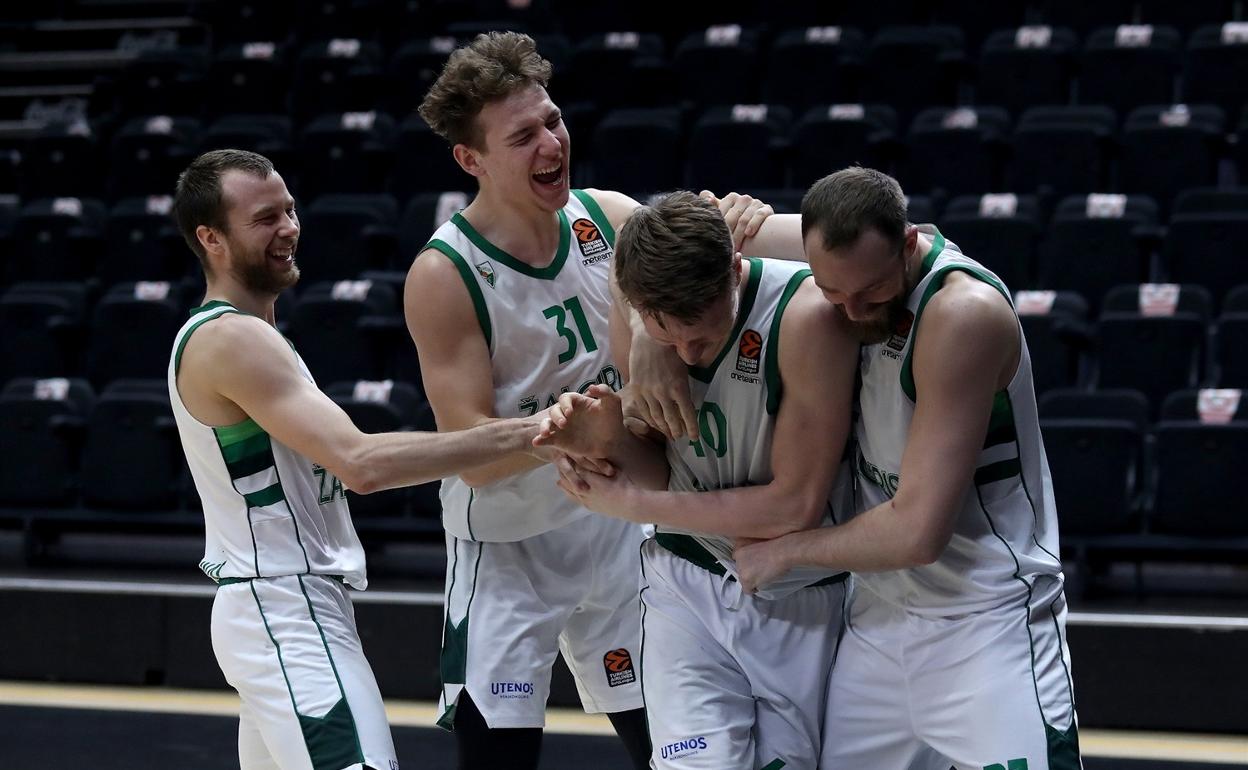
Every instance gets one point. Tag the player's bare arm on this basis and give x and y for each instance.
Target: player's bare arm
(455, 360)
(239, 367)
(968, 350)
(812, 427)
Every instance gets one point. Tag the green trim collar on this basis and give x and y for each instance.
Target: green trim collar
(542, 273)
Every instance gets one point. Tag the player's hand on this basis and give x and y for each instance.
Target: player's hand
(658, 391)
(743, 213)
(760, 562)
(605, 494)
(582, 425)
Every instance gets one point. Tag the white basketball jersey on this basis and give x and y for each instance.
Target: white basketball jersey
(737, 398)
(268, 511)
(1006, 531)
(547, 333)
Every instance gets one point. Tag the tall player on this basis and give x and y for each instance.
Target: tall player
(955, 638)
(508, 307)
(271, 456)
(731, 680)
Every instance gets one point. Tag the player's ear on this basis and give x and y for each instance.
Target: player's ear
(468, 159)
(736, 267)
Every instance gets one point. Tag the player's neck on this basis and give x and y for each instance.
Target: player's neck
(914, 259)
(526, 232)
(259, 305)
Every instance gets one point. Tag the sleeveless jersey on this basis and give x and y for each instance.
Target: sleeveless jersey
(547, 333)
(268, 511)
(737, 398)
(1005, 538)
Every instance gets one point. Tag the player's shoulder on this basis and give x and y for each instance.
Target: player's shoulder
(966, 303)
(616, 206)
(231, 340)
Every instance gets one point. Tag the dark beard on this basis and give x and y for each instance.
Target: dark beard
(260, 278)
(875, 331)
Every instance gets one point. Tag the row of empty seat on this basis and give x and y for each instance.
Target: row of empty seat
(1157, 151)
(1084, 243)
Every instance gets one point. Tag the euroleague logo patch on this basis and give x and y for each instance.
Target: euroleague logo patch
(593, 246)
(619, 667)
(748, 351)
(901, 332)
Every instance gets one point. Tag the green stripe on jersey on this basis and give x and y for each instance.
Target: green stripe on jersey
(265, 497)
(743, 312)
(474, 288)
(249, 447)
(1001, 428)
(595, 213)
(998, 471)
(239, 431)
(771, 368)
(543, 273)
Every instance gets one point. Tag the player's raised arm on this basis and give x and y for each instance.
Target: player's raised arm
(243, 360)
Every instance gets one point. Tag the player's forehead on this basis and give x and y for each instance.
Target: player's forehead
(245, 194)
(870, 262)
(525, 106)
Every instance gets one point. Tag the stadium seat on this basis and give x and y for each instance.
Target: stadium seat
(727, 50)
(131, 458)
(1217, 67)
(1186, 16)
(1095, 467)
(412, 70)
(1055, 327)
(1196, 463)
(1000, 231)
(1168, 149)
(62, 160)
(341, 329)
(40, 329)
(163, 82)
(956, 151)
(1206, 249)
(1061, 150)
(1084, 17)
(250, 78)
(978, 20)
(42, 421)
(1129, 66)
(56, 239)
(1211, 406)
(268, 135)
(132, 331)
(616, 69)
(337, 75)
(1121, 405)
(1026, 66)
(1233, 339)
(639, 151)
(423, 163)
(916, 67)
(347, 235)
(737, 148)
(1096, 242)
(813, 66)
(1211, 200)
(830, 138)
(1152, 337)
(148, 153)
(142, 243)
(350, 152)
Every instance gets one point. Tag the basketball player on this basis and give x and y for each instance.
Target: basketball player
(955, 638)
(508, 307)
(272, 457)
(731, 680)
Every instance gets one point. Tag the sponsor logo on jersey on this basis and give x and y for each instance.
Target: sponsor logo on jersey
(512, 690)
(608, 375)
(487, 272)
(593, 246)
(619, 666)
(683, 748)
(749, 351)
(870, 472)
(901, 332)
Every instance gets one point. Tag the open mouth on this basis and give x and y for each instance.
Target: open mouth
(286, 255)
(551, 175)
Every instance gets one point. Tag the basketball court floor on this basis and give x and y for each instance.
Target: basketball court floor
(74, 727)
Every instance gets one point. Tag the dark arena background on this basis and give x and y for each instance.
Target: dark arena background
(1091, 153)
